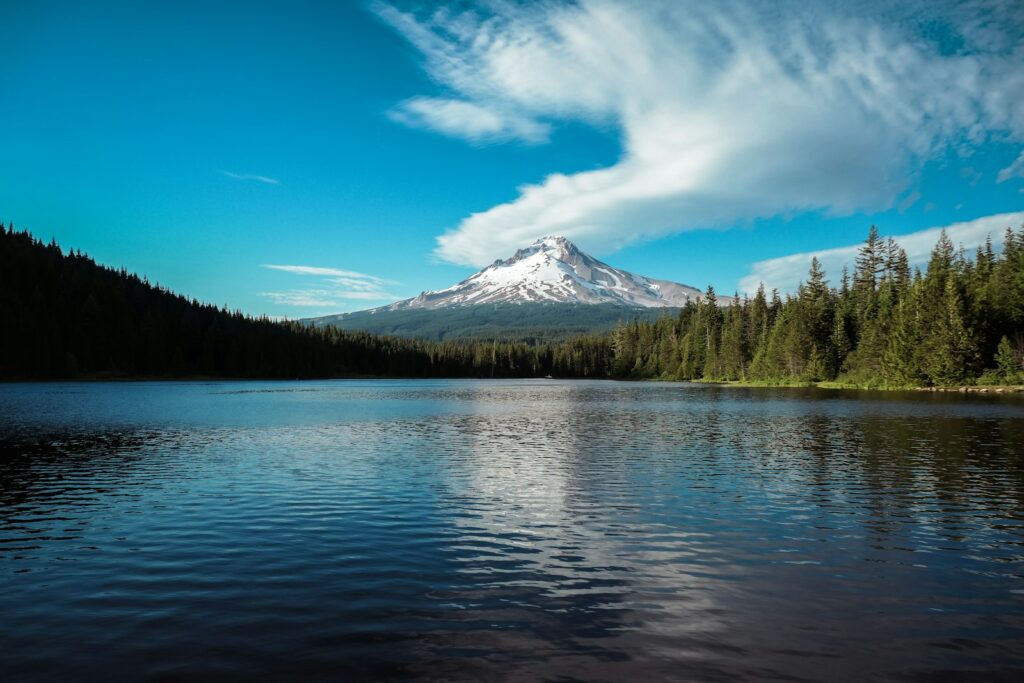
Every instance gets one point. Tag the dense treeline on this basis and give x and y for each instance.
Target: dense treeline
(961, 322)
(65, 316)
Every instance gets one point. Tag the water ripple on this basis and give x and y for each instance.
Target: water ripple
(508, 530)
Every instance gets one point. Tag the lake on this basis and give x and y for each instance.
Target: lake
(508, 530)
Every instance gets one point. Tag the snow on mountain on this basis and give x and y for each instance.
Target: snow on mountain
(553, 270)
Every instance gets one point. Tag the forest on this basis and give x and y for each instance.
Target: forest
(959, 322)
(65, 316)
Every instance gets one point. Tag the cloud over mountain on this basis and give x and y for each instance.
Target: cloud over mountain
(726, 111)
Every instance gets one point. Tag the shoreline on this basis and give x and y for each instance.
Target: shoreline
(1001, 389)
(959, 389)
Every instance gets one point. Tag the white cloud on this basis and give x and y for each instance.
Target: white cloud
(787, 272)
(335, 288)
(908, 201)
(322, 297)
(1014, 170)
(336, 272)
(251, 176)
(726, 111)
(468, 120)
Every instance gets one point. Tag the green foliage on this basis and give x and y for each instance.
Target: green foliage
(947, 347)
(1009, 360)
(885, 328)
(901, 364)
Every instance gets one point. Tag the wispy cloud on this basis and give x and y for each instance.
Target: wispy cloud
(334, 288)
(726, 111)
(327, 272)
(251, 176)
(786, 272)
(1014, 170)
(469, 120)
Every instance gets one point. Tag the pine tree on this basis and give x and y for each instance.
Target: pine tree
(711, 330)
(869, 262)
(734, 342)
(816, 312)
(758, 324)
(1008, 361)
(943, 258)
(840, 343)
(901, 272)
(844, 282)
(948, 347)
(901, 364)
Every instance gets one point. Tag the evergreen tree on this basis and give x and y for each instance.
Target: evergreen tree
(901, 364)
(1008, 361)
(947, 347)
(869, 263)
(711, 330)
(734, 351)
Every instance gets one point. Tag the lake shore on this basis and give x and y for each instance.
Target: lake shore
(115, 378)
(961, 389)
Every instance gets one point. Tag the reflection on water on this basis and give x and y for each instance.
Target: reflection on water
(508, 531)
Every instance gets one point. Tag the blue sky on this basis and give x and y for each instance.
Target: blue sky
(372, 151)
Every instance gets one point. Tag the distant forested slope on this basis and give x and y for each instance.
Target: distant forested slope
(534, 323)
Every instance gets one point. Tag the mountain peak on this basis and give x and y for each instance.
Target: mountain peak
(555, 241)
(552, 269)
(558, 247)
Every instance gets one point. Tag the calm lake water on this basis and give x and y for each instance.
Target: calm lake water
(508, 530)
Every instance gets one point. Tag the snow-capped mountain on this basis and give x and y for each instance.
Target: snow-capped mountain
(553, 270)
